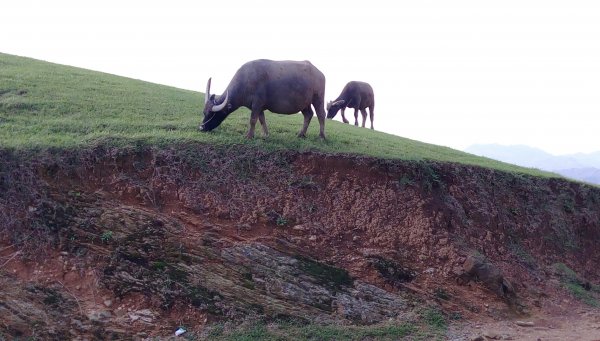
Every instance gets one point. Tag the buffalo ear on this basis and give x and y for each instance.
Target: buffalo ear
(224, 102)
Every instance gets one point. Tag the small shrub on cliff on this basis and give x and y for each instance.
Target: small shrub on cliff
(430, 179)
(434, 318)
(159, 265)
(392, 271)
(568, 205)
(281, 221)
(405, 181)
(106, 236)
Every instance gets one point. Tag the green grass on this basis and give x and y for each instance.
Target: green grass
(573, 283)
(292, 331)
(431, 324)
(581, 294)
(45, 105)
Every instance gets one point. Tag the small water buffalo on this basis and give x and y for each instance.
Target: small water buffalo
(357, 95)
(283, 87)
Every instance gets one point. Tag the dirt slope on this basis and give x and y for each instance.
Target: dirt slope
(130, 243)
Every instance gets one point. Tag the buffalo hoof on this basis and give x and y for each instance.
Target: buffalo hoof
(346, 121)
(302, 135)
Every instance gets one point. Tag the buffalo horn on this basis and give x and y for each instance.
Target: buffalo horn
(223, 104)
(207, 95)
(340, 102)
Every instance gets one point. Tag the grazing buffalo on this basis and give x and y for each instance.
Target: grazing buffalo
(283, 87)
(357, 95)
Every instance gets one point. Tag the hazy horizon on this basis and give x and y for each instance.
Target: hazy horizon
(579, 166)
(453, 74)
(527, 146)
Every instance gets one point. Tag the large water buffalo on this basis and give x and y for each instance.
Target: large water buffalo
(283, 87)
(357, 95)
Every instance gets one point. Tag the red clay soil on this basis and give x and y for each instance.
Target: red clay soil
(136, 242)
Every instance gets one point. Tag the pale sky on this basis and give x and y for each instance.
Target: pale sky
(453, 73)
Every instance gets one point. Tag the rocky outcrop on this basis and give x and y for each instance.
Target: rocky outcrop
(478, 269)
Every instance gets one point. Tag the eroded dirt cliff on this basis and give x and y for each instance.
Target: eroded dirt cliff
(131, 242)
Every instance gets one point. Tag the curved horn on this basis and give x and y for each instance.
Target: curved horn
(207, 94)
(223, 104)
(340, 102)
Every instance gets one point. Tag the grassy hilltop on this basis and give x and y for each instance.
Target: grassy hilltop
(45, 105)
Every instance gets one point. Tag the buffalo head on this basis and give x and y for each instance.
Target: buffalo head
(334, 107)
(215, 109)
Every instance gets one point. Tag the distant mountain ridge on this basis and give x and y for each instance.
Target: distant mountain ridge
(579, 166)
(589, 174)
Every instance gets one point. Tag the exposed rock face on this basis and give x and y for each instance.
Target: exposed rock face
(478, 269)
(209, 233)
(23, 308)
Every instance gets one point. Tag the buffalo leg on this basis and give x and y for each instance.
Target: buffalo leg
(371, 115)
(253, 118)
(363, 112)
(308, 114)
(321, 117)
(263, 123)
(356, 117)
(344, 116)
(319, 105)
